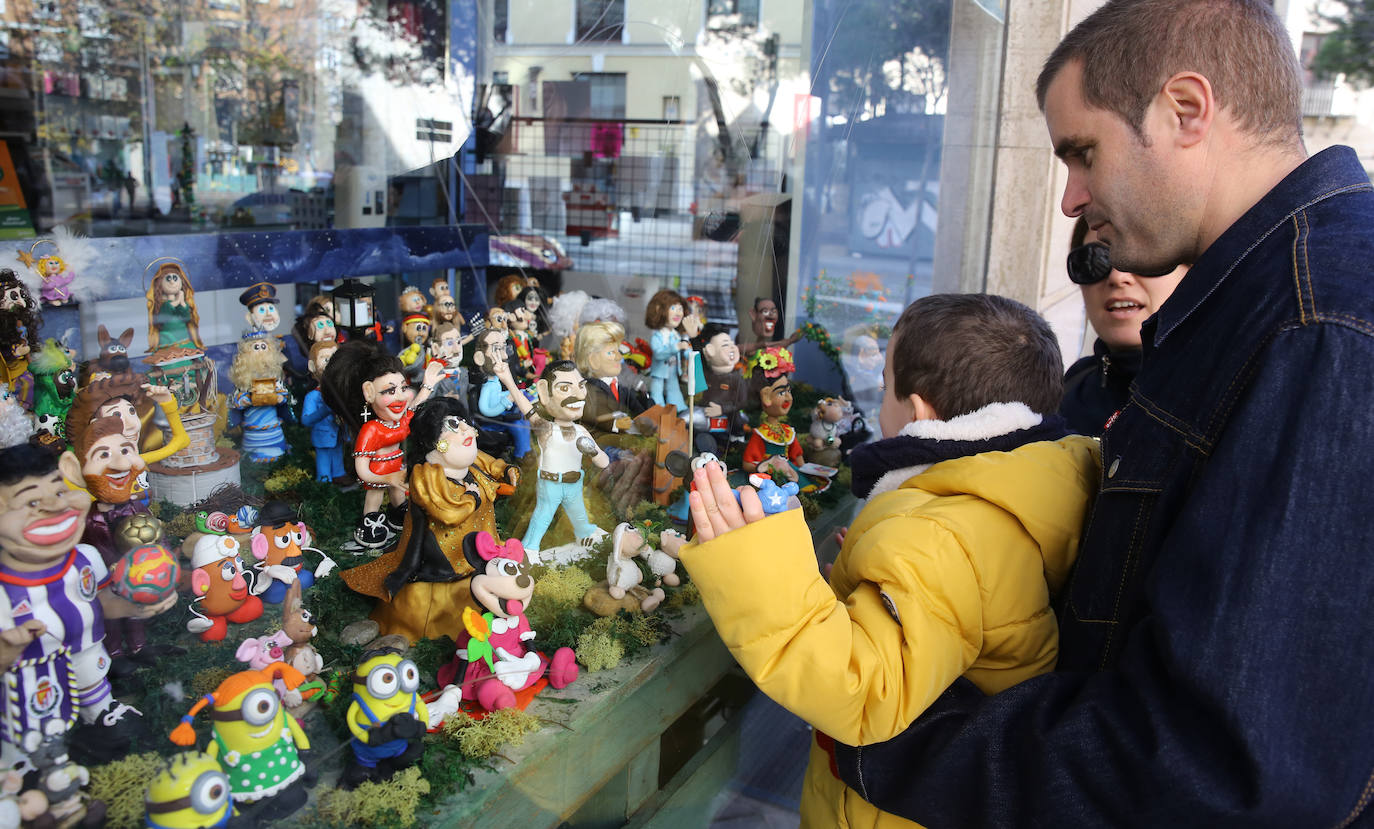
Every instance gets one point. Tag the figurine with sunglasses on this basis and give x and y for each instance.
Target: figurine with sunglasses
(1096, 387)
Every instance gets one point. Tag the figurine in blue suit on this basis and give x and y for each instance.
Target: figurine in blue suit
(324, 426)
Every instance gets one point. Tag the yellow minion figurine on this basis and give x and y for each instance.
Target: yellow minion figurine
(387, 717)
(254, 739)
(191, 792)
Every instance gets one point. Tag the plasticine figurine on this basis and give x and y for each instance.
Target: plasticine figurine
(279, 543)
(611, 405)
(829, 422)
(366, 389)
(53, 608)
(445, 310)
(495, 406)
(261, 651)
(773, 498)
(112, 471)
(173, 321)
(125, 395)
(421, 585)
(190, 792)
(324, 425)
(623, 575)
(663, 316)
(411, 301)
(114, 354)
(256, 742)
(415, 333)
(773, 447)
(718, 411)
(298, 625)
(57, 280)
(563, 442)
(18, 341)
(316, 325)
(16, 299)
(387, 718)
(54, 389)
(261, 301)
(533, 300)
(16, 425)
(260, 399)
(221, 588)
(518, 327)
(438, 287)
(60, 780)
(493, 660)
(764, 323)
(446, 349)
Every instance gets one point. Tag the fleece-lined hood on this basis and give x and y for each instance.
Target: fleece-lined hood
(1005, 454)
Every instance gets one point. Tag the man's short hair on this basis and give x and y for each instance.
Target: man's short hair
(708, 332)
(25, 460)
(961, 352)
(554, 367)
(1129, 48)
(101, 427)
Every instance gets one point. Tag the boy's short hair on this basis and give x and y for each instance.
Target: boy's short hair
(961, 352)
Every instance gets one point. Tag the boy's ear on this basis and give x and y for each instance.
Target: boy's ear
(921, 410)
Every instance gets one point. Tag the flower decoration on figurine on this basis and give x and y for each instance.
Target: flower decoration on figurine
(478, 626)
(221, 588)
(773, 361)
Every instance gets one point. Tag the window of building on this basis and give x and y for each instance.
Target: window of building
(606, 93)
(500, 19)
(732, 12)
(600, 20)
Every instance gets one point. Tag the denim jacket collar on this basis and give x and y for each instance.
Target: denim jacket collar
(1329, 172)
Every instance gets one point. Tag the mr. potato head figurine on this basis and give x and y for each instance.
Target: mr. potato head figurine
(55, 598)
(221, 587)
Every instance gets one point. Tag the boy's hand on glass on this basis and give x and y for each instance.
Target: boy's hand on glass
(714, 509)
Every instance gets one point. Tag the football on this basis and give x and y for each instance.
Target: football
(138, 530)
(146, 574)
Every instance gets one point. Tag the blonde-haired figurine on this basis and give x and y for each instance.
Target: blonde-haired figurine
(172, 317)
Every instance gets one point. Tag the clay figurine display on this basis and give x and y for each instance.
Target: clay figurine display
(386, 717)
(55, 603)
(279, 542)
(114, 353)
(261, 301)
(446, 349)
(623, 576)
(255, 740)
(61, 782)
(563, 443)
(663, 317)
(495, 406)
(190, 791)
(367, 390)
(763, 318)
(494, 659)
(518, 323)
(415, 334)
(260, 401)
(773, 447)
(421, 585)
(323, 423)
(125, 395)
(54, 390)
(220, 587)
(173, 321)
(411, 301)
(611, 405)
(718, 407)
(16, 424)
(830, 422)
(445, 310)
(18, 340)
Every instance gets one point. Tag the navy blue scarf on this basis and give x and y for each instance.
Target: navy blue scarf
(871, 461)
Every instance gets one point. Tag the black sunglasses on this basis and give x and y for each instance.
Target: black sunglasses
(1089, 264)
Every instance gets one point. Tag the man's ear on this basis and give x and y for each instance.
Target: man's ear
(70, 467)
(1190, 106)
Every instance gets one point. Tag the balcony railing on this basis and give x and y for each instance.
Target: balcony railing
(1317, 99)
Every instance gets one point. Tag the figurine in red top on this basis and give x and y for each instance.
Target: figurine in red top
(773, 446)
(367, 390)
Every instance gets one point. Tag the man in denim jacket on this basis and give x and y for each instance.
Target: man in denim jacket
(1217, 644)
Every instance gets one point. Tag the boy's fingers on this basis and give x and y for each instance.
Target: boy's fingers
(705, 532)
(750, 503)
(725, 497)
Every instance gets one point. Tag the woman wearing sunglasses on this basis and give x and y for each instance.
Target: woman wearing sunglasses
(1097, 386)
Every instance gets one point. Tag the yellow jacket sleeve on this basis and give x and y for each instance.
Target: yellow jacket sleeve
(180, 440)
(860, 667)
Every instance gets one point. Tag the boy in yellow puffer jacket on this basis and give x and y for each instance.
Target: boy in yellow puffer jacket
(972, 523)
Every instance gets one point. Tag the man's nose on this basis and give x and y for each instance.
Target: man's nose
(1076, 197)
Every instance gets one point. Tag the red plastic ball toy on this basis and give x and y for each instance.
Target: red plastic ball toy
(146, 574)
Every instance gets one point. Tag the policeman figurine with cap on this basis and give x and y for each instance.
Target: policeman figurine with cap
(261, 301)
